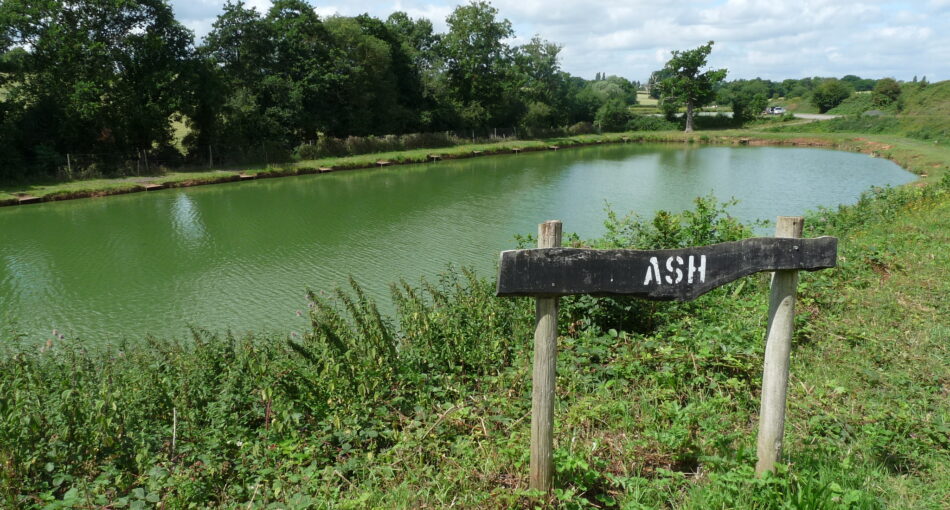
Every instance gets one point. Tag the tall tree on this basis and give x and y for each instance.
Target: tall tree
(688, 83)
(477, 62)
(97, 76)
(368, 98)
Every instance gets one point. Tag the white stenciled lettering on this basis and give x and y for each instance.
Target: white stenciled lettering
(653, 272)
(693, 269)
(670, 269)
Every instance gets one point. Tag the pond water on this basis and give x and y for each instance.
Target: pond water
(240, 256)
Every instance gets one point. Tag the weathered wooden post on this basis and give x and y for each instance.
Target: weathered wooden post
(778, 347)
(544, 374)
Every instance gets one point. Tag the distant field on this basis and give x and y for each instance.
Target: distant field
(644, 99)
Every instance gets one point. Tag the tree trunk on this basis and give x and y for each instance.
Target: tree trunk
(689, 116)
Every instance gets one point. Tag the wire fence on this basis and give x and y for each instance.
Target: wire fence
(154, 161)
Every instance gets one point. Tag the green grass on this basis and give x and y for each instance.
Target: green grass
(858, 103)
(644, 99)
(795, 104)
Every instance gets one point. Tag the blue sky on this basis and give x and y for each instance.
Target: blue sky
(772, 39)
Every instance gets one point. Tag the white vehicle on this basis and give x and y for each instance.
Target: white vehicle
(775, 110)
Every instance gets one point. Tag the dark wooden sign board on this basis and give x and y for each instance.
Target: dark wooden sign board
(684, 274)
(664, 275)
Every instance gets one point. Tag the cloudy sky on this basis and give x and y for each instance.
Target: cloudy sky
(772, 39)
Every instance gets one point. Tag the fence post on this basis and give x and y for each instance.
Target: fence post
(543, 376)
(777, 350)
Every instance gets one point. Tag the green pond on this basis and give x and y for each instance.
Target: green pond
(241, 256)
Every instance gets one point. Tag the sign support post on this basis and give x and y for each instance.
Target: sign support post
(778, 347)
(544, 374)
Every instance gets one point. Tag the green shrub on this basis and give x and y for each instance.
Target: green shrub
(650, 123)
(581, 128)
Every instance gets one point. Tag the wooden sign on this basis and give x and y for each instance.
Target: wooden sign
(658, 275)
(551, 271)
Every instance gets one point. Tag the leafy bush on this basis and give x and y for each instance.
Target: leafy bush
(612, 116)
(581, 128)
(650, 123)
(829, 94)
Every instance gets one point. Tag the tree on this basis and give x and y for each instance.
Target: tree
(747, 97)
(858, 83)
(477, 62)
(655, 78)
(368, 99)
(687, 83)
(886, 91)
(96, 76)
(612, 116)
(830, 93)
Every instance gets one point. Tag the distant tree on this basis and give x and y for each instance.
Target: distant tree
(858, 83)
(653, 82)
(538, 70)
(612, 116)
(886, 91)
(748, 98)
(97, 76)
(830, 93)
(688, 84)
(367, 100)
(477, 63)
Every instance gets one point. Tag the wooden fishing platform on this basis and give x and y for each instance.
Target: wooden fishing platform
(383, 162)
(477, 153)
(553, 147)
(247, 177)
(325, 169)
(434, 157)
(27, 199)
(152, 186)
(516, 150)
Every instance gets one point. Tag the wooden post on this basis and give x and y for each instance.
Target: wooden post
(777, 350)
(69, 166)
(542, 379)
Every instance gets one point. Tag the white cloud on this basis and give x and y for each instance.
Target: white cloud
(769, 38)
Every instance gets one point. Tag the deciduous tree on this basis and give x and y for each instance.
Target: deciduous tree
(830, 93)
(688, 83)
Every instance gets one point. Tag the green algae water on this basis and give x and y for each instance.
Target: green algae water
(240, 256)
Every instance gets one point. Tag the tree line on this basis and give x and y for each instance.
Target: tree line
(106, 80)
(107, 86)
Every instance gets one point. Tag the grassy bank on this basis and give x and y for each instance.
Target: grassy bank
(918, 157)
(656, 402)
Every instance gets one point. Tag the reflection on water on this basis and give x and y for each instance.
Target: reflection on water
(186, 221)
(241, 256)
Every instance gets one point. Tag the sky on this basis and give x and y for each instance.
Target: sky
(772, 39)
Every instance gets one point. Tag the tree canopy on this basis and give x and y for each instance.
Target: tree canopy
(688, 83)
(830, 93)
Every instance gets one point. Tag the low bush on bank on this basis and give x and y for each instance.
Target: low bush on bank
(329, 146)
(651, 123)
(428, 407)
